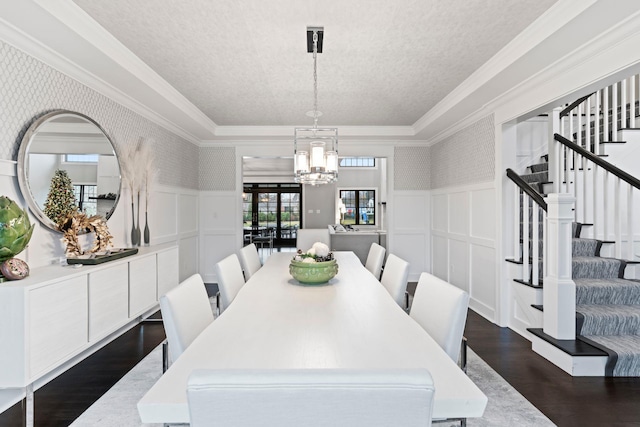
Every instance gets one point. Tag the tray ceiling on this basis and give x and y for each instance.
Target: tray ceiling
(244, 63)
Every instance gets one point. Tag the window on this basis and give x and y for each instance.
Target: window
(359, 207)
(86, 198)
(273, 208)
(358, 162)
(81, 158)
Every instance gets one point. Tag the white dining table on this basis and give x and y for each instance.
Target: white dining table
(350, 322)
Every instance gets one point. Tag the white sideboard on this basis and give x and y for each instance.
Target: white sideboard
(59, 315)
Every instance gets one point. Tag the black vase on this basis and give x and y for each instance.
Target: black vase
(138, 234)
(135, 233)
(146, 229)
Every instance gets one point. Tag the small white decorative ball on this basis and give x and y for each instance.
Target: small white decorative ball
(321, 249)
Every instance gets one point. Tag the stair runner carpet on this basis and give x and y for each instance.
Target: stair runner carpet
(607, 305)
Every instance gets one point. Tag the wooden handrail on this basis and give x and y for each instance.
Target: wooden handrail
(574, 104)
(524, 186)
(629, 179)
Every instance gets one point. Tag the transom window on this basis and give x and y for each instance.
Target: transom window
(359, 207)
(358, 162)
(81, 158)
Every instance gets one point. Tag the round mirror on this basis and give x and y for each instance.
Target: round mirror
(65, 144)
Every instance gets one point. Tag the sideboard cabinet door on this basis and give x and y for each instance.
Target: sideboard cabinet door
(142, 285)
(108, 300)
(58, 326)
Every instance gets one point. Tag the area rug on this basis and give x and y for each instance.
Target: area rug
(117, 407)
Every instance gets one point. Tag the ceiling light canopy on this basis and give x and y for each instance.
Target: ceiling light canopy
(317, 162)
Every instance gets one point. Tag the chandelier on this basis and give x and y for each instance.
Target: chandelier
(318, 164)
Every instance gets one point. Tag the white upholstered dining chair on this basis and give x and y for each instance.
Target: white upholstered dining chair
(310, 397)
(375, 259)
(441, 309)
(308, 236)
(186, 312)
(249, 260)
(230, 280)
(394, 278)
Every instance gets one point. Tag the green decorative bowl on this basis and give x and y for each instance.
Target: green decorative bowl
(313, 273)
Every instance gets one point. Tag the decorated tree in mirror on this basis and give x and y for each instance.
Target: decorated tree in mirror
(60, 201)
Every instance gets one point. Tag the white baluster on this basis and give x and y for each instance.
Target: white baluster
(596, 124)
(553, 148)
(587, 133)
(605, 207)
(632, 101)
(575, 183)
(617, 225)
(614, 112)
(525, 237)
(605, 114)
(518, 236)
(535, 277)
(630, 236)
(623, 104)
(596, 201)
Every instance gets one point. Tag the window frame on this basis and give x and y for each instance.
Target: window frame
(357, 206)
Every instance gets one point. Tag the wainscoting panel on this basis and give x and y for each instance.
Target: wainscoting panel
(459, 213)
(220, 220)
(163, 223)
(216, 246)
(463, 242)
(459, 263)
(218, 211)
(188, 213)
(413, 249)
(411, 212)
(440, 213)
(483, 272)
(483, 206)
(440, 261)
(409, 230)
(188, 256)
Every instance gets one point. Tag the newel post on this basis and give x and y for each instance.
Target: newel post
(559, 294)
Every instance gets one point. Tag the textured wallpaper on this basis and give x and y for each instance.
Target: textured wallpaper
(30, 88)
(411, 168)
(217, 169)
(466, 157)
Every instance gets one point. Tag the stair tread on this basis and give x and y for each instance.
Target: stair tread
(529, 283)
(574, 347)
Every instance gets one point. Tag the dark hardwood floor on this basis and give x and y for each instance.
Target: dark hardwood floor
(63, 399)
(567, 401)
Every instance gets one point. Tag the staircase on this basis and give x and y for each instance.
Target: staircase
(607, 305)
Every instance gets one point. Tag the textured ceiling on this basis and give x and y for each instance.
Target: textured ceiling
(385, 62)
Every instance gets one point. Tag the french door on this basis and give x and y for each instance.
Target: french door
(273, 209)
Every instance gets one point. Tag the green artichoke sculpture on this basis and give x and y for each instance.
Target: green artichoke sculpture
(15, 229)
